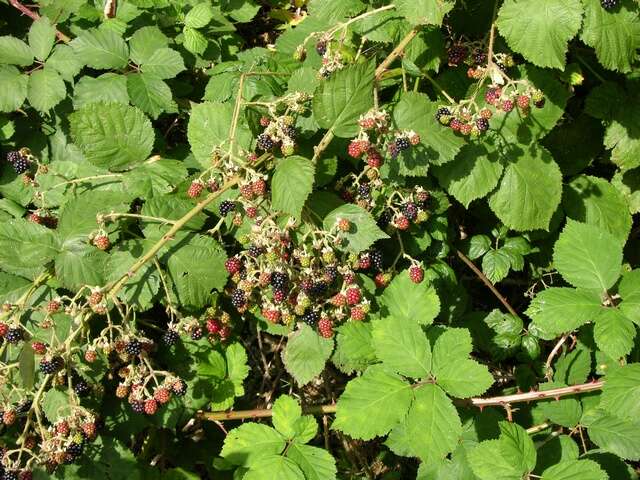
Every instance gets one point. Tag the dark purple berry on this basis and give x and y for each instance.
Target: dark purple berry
(170, 337)
(226, 206)
(311, 318)
(238, 298)
(264, 142)
(133, 347)
(482, 124)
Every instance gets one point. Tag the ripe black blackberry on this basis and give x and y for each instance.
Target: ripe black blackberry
(81, 387)
(311, 318)
(170, 337)
(14, 335)
(290, 131)
(457, 54)
(226, 206)
(377, 259)
(21, 165)
(482, 124)
(609, 4)
(264, 142)
(410, 210)
(49, 367)
(197, 333)
(10, 475)
(137, 406)
(24, 406)
(330, 273)
(321, 47)
(384, 219)
(402, 143)
(75, 449)
(279, 280)
(255, 251)
(238, 298)
(133, 347)
(364, 190)
(479, 57)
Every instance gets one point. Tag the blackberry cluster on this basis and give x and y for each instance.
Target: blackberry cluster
(20, 163)
(609, 4)
(14, 335)
(49, 367)
(265, 142)
(226, 206)
(238, 299)
(410, 210)
(133, 347)
(402, 143)
(170, 337)
(81, 386)
(457, 54)
(75, 449)
(377, 259)
(311, 318)
(197, 333)
(279, 280)
(443, 115)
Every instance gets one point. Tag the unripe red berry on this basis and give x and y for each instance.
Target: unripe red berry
(102, 242)
(150, 406)
(353, 295)
(195, 189)
(416, 274)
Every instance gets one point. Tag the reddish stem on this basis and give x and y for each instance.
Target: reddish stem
(34, 16)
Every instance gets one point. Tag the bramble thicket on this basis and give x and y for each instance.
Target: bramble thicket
(320, 239)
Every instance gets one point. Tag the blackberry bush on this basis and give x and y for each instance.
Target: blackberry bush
(411, 220)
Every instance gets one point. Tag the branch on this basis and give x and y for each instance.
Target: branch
(477, 402)
(535, 396)
(34, 16)
(396, 52)
(487, 282)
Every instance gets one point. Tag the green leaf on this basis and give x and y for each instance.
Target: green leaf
(614, 34)
(145, 42)
(55, 405)
(208, 129)
(587, 256)
(242, 11)
(523, 23)
(354, 350)
(143, 287)
(575, 470)
(150, 94)
(402, 347)
(508, 458)
(375, 391)
(42, 36)
(199, 16)
(416, 112)
(629, 290)
(64, 61)
(78, 216)
(617, 435)
(574, 367)
(79, 264)
(559, 449)
(108, 87)
(46, 89)
(155, 179)
(453, 370)
(529, 192)
(566, 411)
(339, 101)
(488, 463)
(237, 366)
(595, 201)
(496, 265)
(13, 88)
(410, 302)
(26, 247)
(306, 354)
(274, 467)
(101, 49)
(250, 442)
(196, 267)
(291, 184)
(316, 463)
(164, 63)
(473, 174)
(286, 413)
(431, 429)
(621, 391)
(112, 135)
(478, 246)
(363, 232)
(419, 12)
(614, 333)
(15, 52)
(194, 41)
(558, 310)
